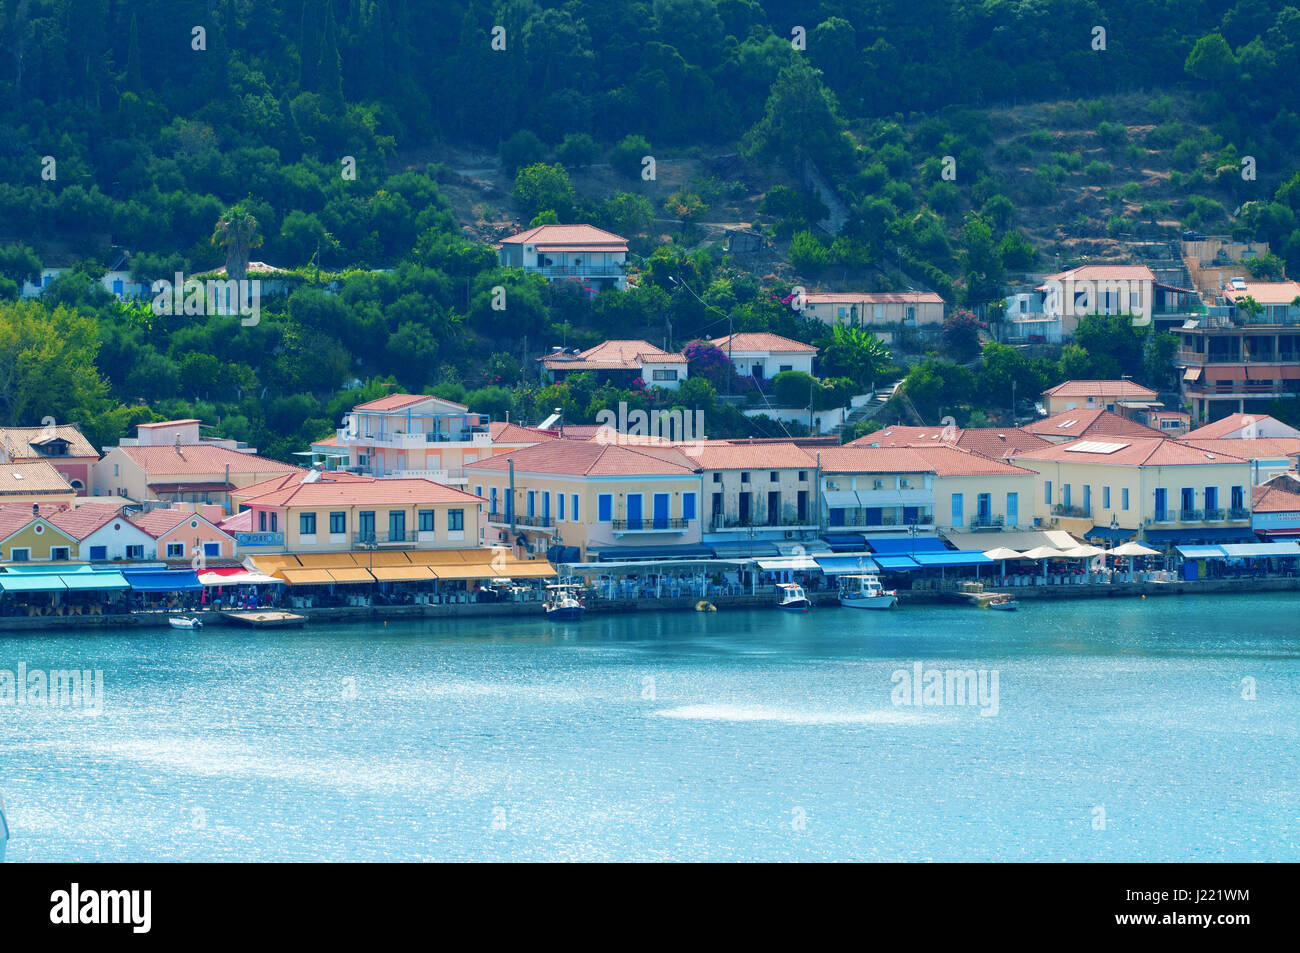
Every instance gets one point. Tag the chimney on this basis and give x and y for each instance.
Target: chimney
(36, 509)
(177, 446)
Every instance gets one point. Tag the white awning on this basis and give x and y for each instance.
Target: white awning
(788, 563)
(840, 498)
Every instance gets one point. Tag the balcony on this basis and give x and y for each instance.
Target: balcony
(987, 522)
(1238, 513)
(790, 518)
(411, 441)
(599, 270)
(1191, 516)
(542, 522)
(1073, 512)
(375, 540)
(651, 525)
(859, 521)
(1213, 515)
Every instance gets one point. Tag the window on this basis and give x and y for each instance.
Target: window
(1211, 497)
(1123, 498)
(211, 549)
(669, 375)
(574, 508)
(774, 477)
(492, 499)
(307, 524)
(20, 555)
(59, 552)
(115, 471)
(396, 526)
(1065, 494)
(456, 521)
(261, 521)
(1047, 492)
(803, 476)
(717, 477)
(366, 524)
(339, 522)
(744, 476)
(98, 552)
(1013, 509)
(1238, 498)
(426, 521)
(532, 503)
(275, 520)
(135, 552)
(1105, 497)
(688, 506)
(604, 508)
(785, 367)
(559, 506)
(175, 550)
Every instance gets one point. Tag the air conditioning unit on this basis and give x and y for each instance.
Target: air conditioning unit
(789, 534)
(879, 484)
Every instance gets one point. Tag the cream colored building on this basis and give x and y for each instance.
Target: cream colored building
(870, 309)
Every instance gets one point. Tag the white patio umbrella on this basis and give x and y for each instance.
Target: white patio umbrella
(1133, 548)
(1003, 553)
(1044, 553)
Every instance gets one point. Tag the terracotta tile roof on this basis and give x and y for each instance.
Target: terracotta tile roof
(239, 523)
(14, 516)
(295, 477)
(546, 236)
(939, 460)
(1091, 422)
(1104, 273)
(1265, 292)
(80, 521)
(159, 522)
(199, 458)
(873, 297)
(19, 441)
(400, 401)
(1132, 451)
(762, 341)
(168, 423)
(1230, 424)
(1274, 499)
(34, 477)
(503, 432)
(589, 458)
(1249, 448)
(614, 355)
(367, 490)
(742, 456)
(994, 443)
(1100, 389)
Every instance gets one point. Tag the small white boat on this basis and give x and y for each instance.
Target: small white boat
(1005, 605)
(180, 622)
(563, 604)
(865, 592)
(4, 831)
(793, 597)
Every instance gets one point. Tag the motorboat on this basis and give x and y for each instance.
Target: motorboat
(1005, 605)
(793, 597)
(182, 622)
(563, 604)
(866, 592)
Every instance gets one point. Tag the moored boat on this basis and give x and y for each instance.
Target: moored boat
(181, 622)
(1005, 605)
(563, 604)
(865, 592)
(793, 597)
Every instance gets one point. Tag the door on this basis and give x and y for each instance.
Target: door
(984, 509)
(397, 526)
(1013, 509)
(366, 526)
(1087, 499)
(801, 507)
(634, 514)
(744, 508)
(661, 510)
(774, 508)
(1162, 505)
(1188, 502)
(957, 506)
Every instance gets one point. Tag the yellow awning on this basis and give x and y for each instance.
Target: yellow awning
(270, 565)
(535, 569)
(442, 557)
(351, 574)
(305, 577)
(403, 573)
(366, 560)
(326, 560)
(467, 571)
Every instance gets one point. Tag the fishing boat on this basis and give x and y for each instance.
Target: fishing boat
(563, 604)
(865, 592)
(4, 831)
(1005, 605)
(181, 622)
(793, 597)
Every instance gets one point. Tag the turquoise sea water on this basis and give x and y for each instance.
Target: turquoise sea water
(1121, 733)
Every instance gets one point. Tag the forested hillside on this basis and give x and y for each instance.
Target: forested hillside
(134, 128)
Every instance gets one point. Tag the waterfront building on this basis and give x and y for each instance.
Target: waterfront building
(758, 498)
(1119, 397)
(1161, 491)
(180, 534)
(104, 533)
(407, 436)
(317, 511)
(589, 497)
(618, 362)
(34, 482)
(61, 445)
(1276, 510)
(587, 257)
(1268, 456)
(28, 535)
(169, 462)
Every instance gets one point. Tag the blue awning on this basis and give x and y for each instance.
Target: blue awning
(906, 545)
(94, 581)
(846, 542)
(895, 563)
(618, 554)
(31, 582)
(835, 565)
(1176, 537)
(1202, 552)
(953, 559)
(164, 581)
(1110, 536)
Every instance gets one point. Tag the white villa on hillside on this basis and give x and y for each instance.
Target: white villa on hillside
(589, 256)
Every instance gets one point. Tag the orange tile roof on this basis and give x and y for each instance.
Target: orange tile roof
(159, 522)
(199, 458)
(995, 443)
(1100, 389)
(762, 341)
(80, 521)
(1249, 448)
(546, 236)
(939, 460)
(168, 423)
(1265, 292)
(36, 476)
(17, 441)
(589, 458)
(1104, 273)
(1133, 451)
(503, 432)
(398, 401)
(294, 477)
(1274, 499)
(743, 456)
(361, 491)
(1091, 422)
(614, 355)
(14, 516)
(873, 297)
(1228, 425)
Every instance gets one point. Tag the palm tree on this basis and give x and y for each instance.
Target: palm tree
(237, 232)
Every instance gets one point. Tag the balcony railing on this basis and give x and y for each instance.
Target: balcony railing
(1238, 513)
(1213, 514)
(986, 522)
(380, 539)
(650, 523)
(542, 521)
(1191, 516)
(580, 271)
(1081, 512)
(851, 521)
(790, 518)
